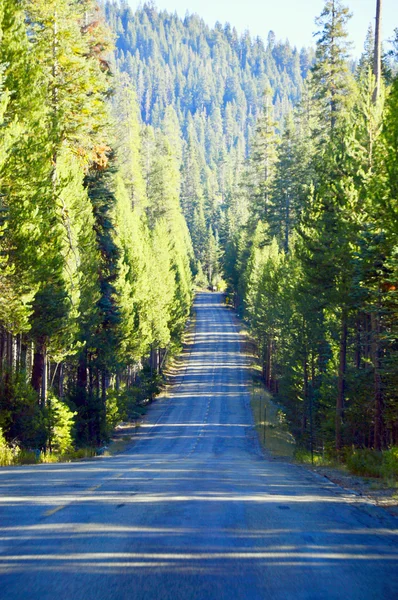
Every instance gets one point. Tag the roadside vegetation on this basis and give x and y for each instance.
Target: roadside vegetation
(312, 265)
(96, 258)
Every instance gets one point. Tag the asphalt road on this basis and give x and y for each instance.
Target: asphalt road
(193, 510)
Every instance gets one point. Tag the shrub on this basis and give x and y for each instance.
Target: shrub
(115, 410)
(21, 417)
(28, 457)
(365, 462)
(60, 423)
(303, 455)
(8, 454)
(389, 467)
(82, 453)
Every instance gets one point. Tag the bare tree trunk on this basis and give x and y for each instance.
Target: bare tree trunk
(10, 351)
(378, 394)
(38, 366)
(81, 383)
(61, 380)
(341, 381)
(305, 394)
(18, 344)
(24, 352)
(358, 329)
(377, 52)
(30, 359)
(2, 349)
(90, 378)
(287, 223)
(44, 382)
(104, 389)
(268, 367)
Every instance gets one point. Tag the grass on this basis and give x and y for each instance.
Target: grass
(367, 462)
(378, 469)
(304, 456)
(270, 423)
(16, 456)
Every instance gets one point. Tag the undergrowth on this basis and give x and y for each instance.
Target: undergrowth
(12, 455)
(364, 462)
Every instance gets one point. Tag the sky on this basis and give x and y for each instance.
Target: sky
(292, 19)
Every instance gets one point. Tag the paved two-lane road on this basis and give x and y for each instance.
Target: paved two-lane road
(193, 510)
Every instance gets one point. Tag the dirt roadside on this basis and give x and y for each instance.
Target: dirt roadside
(377, 491)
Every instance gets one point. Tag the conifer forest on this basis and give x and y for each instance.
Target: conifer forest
(144, 156)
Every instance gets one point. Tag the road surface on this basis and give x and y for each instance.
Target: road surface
(193, 510)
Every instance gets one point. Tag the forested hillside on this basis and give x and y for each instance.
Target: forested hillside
(95, 257)
(215, 81)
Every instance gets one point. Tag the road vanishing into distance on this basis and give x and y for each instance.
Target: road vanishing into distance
(193, 510)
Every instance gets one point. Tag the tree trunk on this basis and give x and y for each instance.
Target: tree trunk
(377, 52)
(90, 377)
(44, 381)
(358, 329)
(268, 368)
(81, 383)
(305, 394)
(378, 394)
(97, 384)
(2, 349)
(104, 388)
(24, 354)
(10, 351)
(38, 366)
(341, 381)
(61, 380)
(287, 223)
(18, 352)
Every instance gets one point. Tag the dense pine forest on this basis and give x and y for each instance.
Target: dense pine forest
(313, 263)
(213, 82)
(142, 154)
(95, 274)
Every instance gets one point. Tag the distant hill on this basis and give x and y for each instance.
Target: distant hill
(206, 86)
(214, 75)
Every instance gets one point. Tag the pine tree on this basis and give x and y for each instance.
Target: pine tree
(262, 164)
(330, 71)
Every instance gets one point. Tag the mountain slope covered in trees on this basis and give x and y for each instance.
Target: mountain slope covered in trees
(214, 81)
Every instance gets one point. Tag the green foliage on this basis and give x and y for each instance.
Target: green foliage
(365, 462)
(8, 455)
(107, 205)
(95, 252)
(204, 88)
(21, 418)
(312, 255)
(114, 411)
(200, 278)
(60, 419)
(389, 467)
(302, 455)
